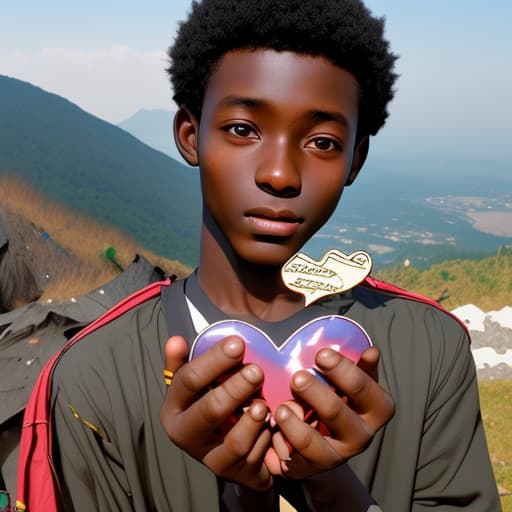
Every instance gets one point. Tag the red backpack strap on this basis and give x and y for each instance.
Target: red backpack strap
(377, 284)
(37, 487)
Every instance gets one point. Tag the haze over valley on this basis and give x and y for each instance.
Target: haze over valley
(415, 210)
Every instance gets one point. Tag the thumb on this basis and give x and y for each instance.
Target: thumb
(369, 362)
(176, 353)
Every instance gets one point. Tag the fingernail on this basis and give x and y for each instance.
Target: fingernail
(327, 359)
(300, 379)
(282, 413)
(258, 411)
(233, 347)
(252, 373)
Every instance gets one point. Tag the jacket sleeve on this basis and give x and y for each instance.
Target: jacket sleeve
(88, 465)
(453, 469)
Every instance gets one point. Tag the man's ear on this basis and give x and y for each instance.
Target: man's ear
(186, 132)
(360, 154)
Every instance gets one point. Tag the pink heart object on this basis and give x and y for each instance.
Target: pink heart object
(296, 353)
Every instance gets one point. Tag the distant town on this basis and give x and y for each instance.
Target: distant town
(420, 230)
(492, 215)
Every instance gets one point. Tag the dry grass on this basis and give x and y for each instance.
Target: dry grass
(496, 404)
(84, 240)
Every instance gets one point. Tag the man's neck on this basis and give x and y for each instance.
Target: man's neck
(242, 289)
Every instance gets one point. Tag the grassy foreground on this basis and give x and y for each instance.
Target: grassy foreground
(496, 404)
(487, 283)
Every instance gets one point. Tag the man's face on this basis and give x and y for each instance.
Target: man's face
(275, 147)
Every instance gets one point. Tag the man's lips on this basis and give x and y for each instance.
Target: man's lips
(268, 222)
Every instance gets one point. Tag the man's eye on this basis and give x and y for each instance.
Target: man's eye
(241, 130)
(324, 144)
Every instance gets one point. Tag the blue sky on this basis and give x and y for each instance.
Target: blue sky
(453, 97)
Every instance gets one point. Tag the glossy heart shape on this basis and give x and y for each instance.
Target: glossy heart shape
(296, 353)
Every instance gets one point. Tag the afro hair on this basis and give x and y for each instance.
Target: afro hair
(342, 31)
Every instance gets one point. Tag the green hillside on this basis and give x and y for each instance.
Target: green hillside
(99, 169)
(487, 283)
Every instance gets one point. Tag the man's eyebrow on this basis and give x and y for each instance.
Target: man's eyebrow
(243, 101)
(315, 115)
(327, 115)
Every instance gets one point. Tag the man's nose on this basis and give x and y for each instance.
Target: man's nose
(279, 173)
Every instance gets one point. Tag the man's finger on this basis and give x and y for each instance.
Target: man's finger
(305, 440)
(366, 397)
(176, 353)
(247, 441)
(344, 423)
(369, 362)
(194, 378)
(204, 418)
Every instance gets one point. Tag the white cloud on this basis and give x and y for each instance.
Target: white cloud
(112, 83)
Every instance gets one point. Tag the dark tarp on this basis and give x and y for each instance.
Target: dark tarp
(30, 335)
(25, 272)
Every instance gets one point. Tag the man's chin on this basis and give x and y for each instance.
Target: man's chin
(268, 253)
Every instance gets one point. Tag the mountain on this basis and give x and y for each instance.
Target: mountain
(417, 211)
(154, 128)
(99, 169)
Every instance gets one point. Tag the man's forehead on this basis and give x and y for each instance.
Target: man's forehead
(251, 77)
(255, 61)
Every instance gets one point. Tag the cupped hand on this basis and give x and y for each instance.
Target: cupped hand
(353, 409)
(201, 402)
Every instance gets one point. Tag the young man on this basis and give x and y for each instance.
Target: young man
(277, 102)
